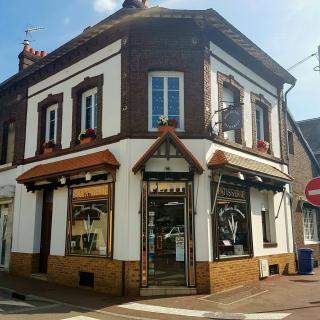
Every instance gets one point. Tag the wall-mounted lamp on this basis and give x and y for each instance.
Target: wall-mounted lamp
(63, 180)
(240, 175)
(88, 176)
(257, 179)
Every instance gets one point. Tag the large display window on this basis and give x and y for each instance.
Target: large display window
(232, 223)
(90, 220)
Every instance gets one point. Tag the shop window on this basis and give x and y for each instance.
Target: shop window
(290, 142)
(8, 142)
(232, 223)
(91, 221)
(310, 224)
(89, 109)
(166, 96)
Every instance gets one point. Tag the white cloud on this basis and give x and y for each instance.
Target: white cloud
(102, 6)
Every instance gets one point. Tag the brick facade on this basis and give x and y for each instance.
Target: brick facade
(24, 264)
(302, 168)
(221, 275)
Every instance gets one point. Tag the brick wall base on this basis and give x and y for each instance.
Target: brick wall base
(221, 275)
(110, 276)
(24, 264)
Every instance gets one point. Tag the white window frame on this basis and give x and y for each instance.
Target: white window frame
(88, 93)
(54, 108)
(315, 237)
(258, 108)
(166, 75)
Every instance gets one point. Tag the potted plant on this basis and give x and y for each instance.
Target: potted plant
(48, 146)
(87, 136)
(263, 146)
(164, 123)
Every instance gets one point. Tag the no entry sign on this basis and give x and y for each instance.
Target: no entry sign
(312, 191)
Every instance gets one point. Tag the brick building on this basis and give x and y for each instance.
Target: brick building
(306, 216)
(311, 130)
(106, 197)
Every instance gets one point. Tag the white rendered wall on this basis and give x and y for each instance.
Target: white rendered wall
(111, 113)
(217, 66)
(59, 222)
(127, 204)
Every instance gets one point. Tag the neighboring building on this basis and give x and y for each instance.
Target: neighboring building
(130, 209)
(303, 166)
(311, 131)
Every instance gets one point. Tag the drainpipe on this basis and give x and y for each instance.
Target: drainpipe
(287, 158)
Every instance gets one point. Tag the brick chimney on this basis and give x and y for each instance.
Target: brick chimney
(135, 4)
(28, 56)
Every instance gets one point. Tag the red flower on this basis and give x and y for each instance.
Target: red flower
(262, 144)
(90, 132)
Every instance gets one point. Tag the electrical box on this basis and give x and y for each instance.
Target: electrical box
(264, 268)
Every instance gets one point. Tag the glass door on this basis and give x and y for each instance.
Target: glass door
(3, 233)
(166, 233)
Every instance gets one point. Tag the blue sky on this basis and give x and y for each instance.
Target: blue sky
(288, 30)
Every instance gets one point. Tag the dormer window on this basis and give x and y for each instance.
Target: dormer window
(166, 94)
(89, 109)
(51, 123)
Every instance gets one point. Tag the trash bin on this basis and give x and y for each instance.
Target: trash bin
(305, 261)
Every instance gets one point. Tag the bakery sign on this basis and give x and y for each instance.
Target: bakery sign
(231, 192)
(231, 119)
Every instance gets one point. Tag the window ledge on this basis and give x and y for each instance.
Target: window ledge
(270, 245)
(311, 242)
(6, 166)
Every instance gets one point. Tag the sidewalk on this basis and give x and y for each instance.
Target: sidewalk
(295, 295)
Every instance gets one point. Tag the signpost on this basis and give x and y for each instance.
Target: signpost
(312, 191)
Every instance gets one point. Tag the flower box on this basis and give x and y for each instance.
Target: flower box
(263, 146)
(86, 140)
(165, 124)
(165, 128)
(48, 150)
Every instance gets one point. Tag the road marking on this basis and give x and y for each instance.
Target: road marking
(80, 318)
(15, 303)
(314, 192)
(197, 313)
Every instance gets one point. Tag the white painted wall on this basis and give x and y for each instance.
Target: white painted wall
(59, 222)
(217, 66)
(111, 69)
(127, 204)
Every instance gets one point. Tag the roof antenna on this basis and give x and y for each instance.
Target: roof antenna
(28, 32)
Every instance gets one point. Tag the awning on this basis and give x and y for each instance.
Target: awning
(69, 167)
(168, 137)
(223, 159)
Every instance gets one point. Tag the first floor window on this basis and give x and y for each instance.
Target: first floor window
(89, 109)
(310, 224)
(51, 123)
(8, 141)
(166, 98)
(91, 220)
(232, 222)
(260, 123)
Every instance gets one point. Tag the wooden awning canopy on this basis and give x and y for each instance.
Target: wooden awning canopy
(168, 137)
(223, 159)
(51, 172)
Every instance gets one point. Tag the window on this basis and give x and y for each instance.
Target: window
(290, 142)
(51, 123)
(310, 224)
(8, 140)
(228, 99)
(260, 123)
(91, 220)
(232, 222)
(166, 98)
(89, 110)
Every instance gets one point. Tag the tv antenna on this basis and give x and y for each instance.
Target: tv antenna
(315, 54)
(29, 32)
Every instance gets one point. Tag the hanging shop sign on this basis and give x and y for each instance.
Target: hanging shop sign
(312, 191)
(231, 119)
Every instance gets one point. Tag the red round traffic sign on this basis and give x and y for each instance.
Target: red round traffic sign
(312, 191)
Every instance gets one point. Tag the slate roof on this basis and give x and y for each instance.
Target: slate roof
(226, 159)
(209, 16)
(69, 166)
